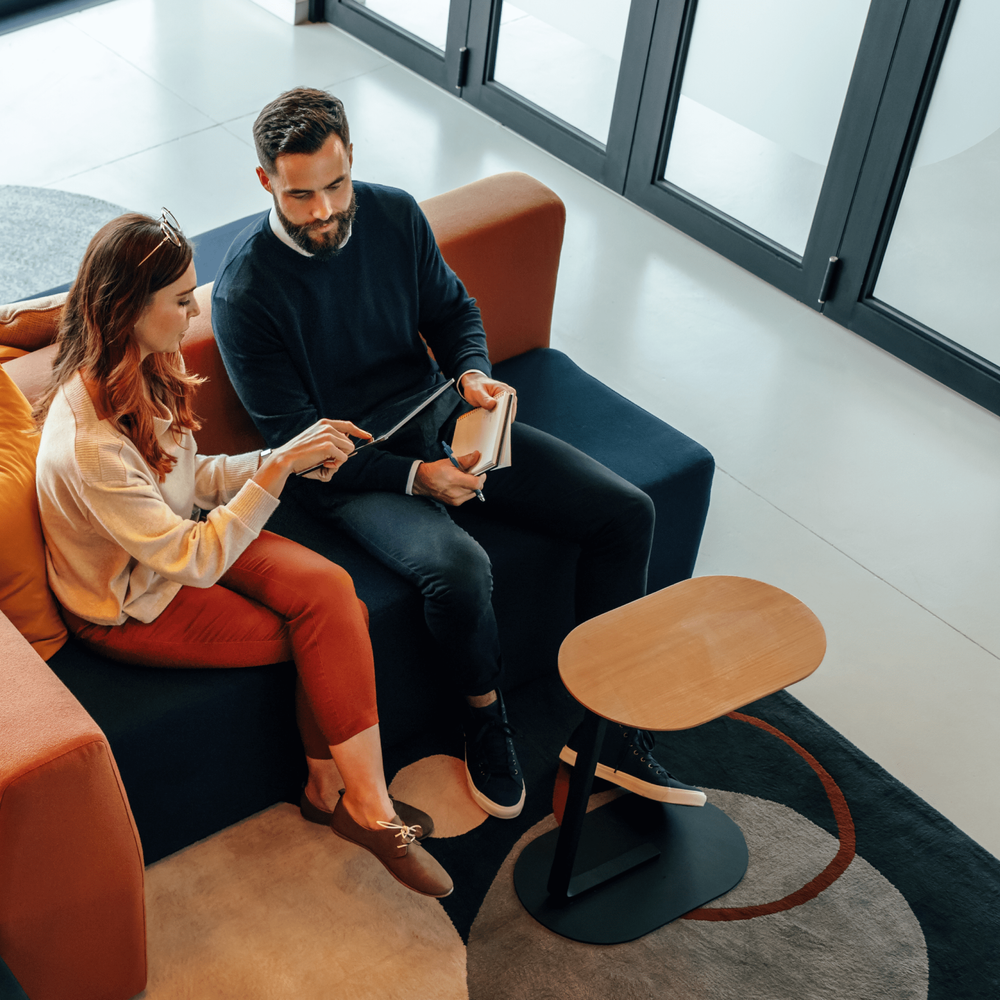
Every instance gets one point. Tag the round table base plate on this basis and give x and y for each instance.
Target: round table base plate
(702, 854)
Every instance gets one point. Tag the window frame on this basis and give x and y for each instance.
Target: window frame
(880, 190)
(801, 277)
(605, 163)
(899, 57)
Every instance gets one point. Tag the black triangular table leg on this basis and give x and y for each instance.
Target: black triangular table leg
(630, 866)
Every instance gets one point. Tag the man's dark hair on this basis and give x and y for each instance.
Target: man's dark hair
(298, 121)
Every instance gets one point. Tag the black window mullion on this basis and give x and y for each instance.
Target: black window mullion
(916, 63)
(394, 41)
(661, 90)
(850, 147)
(631, 78)
(459, 14)
(894, 135)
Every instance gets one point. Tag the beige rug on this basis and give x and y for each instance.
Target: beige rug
(275, 907)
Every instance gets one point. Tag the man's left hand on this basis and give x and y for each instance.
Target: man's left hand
(481, 390)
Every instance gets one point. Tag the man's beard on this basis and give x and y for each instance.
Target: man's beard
(321, 245)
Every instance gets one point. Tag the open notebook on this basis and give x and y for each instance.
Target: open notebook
(488, 432)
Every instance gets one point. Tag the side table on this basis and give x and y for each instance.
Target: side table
(672, 660)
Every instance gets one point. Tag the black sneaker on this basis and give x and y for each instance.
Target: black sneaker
(626, 759)
(491, 765)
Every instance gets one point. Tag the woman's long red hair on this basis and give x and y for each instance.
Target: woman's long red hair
(112, 288)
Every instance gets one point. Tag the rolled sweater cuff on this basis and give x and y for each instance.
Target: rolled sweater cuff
(253, 505)
(239, 469)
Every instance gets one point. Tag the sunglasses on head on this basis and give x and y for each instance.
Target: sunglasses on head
(171, 233)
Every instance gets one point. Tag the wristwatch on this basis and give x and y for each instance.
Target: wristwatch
(263, 455)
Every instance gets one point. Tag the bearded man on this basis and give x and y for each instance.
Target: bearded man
(318, 311)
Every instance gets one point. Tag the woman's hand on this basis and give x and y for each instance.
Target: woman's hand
(326, 444)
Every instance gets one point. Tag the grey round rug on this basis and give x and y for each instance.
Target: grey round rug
(856, 940)
(43, 234)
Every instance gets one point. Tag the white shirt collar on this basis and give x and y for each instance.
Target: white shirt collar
(279, 230)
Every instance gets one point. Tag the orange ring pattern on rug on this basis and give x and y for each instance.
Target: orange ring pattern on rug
(829, 875)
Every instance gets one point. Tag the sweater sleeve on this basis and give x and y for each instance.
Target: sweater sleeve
(218, 478)
(130, 510)
(449, 319)
(259, 365)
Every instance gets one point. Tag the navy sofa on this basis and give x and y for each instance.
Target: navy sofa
(201, 749)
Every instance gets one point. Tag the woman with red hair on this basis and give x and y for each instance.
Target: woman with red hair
(142, 580)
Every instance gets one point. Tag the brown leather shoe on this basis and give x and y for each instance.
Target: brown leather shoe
(410, 815)
(394, 844)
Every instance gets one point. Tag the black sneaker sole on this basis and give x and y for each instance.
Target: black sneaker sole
(491, 807)
(661, 793)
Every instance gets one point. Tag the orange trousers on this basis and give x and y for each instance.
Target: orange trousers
(280, 601)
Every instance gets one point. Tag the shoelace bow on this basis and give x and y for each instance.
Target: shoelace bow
(643, 739)
(405, 833)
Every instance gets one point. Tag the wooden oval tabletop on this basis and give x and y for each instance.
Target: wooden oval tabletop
(691, 652)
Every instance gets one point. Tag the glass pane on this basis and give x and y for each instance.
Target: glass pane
(761, 98)
(564, 57)
(427, 19)
(943, 257)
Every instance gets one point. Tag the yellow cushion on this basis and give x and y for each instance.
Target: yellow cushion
(31, 324)
(25, 597)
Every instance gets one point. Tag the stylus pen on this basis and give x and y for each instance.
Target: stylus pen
(454, 461)
(357, 448)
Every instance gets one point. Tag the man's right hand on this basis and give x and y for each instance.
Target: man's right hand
(442, 481)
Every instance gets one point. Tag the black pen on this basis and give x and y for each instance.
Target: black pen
(454, 461)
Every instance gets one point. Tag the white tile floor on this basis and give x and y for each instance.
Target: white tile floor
(856, 483)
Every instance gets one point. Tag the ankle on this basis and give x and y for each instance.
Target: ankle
(481, 700)
(369, 810)
(322, 794)
(323, 783)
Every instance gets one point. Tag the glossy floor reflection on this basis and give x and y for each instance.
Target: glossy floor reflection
(849, 479)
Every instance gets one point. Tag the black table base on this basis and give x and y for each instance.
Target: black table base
(699, 853)
(628, 867)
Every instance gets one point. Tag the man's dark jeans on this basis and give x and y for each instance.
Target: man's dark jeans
(552, 488)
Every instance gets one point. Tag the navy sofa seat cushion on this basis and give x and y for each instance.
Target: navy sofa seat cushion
(556, 395)
(198, 750)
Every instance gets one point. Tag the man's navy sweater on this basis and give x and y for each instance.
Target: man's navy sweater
(304, 338)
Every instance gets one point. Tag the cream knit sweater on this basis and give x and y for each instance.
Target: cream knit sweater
(119, 543)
